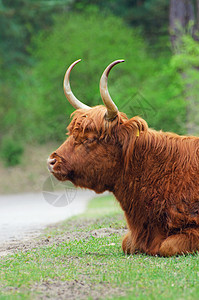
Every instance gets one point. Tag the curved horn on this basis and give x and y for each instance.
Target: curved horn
(108, 102)
(67, 90)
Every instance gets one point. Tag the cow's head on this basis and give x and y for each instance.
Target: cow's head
(93, 155)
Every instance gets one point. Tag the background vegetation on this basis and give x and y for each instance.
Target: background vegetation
(40, 39)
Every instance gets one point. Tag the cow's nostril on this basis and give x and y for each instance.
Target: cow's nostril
(52, 161)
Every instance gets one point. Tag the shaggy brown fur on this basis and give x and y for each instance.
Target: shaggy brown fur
(154, 175)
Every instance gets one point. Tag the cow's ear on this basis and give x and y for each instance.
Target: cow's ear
(130, 129)
(128, 133)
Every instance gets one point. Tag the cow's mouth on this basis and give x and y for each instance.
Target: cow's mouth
(63, 176)
(57, 167)
(60, 176)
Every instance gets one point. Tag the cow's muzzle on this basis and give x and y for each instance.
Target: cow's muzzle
(51, 163)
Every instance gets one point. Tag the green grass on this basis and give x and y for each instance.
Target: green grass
(98, 260)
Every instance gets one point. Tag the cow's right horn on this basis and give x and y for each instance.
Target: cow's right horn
(112, 109)
(67, 90)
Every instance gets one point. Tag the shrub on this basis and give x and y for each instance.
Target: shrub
(11, 151)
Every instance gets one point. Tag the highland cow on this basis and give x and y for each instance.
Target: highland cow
(153, 174)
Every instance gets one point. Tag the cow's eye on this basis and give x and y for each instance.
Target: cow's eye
(89, 141)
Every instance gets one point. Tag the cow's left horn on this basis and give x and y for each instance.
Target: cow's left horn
(112, 109)
(67, 90)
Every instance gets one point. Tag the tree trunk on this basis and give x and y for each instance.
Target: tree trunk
(181, 18)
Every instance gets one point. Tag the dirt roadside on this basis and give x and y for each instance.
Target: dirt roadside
(56, 289)
(43, 238)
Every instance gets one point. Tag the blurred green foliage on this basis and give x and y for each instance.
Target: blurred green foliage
(186, 63)
(149, 15)
(142, 85)
(11, 151)
(19, 21)
(33, 108)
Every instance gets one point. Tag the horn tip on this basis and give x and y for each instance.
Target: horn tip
(77, 61)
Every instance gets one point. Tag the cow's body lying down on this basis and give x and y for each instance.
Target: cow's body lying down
(154, 175)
